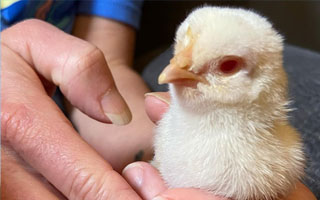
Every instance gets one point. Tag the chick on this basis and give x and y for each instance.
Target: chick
(227, 129)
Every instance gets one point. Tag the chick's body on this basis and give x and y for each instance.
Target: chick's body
(229, 135)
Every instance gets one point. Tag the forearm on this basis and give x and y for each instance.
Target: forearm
(116, 40)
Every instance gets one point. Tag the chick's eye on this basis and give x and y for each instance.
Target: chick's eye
(229, 67)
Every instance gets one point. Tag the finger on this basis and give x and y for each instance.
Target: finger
(77, 67)
(301, 192)
(38, 131)
(145, 179)
(19, 183)
(156, 104)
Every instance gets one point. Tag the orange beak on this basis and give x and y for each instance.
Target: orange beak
(178, 72)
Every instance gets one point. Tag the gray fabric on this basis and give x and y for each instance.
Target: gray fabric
(154, 68)
(303, 71)
(303, 68)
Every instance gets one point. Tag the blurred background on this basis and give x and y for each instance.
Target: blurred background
(298, 21)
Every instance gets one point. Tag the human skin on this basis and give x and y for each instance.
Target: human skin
(119, 145)
(39, 145)
(148, 183)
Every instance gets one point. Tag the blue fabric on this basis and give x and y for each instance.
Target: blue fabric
(10, 13)
(126, 11)
(59, 13)
(62, 13)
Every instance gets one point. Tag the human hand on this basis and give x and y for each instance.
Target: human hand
(119, 145)
(148, 183)
(42, 155)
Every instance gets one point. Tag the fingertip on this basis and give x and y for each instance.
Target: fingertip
(120, 119)
(163, 97)
(156, 103)
(145, 179)
(147, 182)
(160, 198)
(301, 192)
(115, 108)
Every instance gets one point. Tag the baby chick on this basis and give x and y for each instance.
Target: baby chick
(227, 130)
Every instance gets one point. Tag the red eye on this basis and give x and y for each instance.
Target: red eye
(230, 66)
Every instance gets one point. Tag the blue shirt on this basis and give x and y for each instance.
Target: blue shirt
(62, 13)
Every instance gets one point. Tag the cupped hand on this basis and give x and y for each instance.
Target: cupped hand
(42, 156)
(147, 181)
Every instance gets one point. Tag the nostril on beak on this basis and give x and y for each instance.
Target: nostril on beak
(173, 74)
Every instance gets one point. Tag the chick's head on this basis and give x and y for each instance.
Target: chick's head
(225, 56)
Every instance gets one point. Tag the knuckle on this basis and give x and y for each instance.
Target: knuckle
(29, 24)
(92, 55)
(87, 187)
(19, 128)
(88, 65)
(15, 121)
(86, 60)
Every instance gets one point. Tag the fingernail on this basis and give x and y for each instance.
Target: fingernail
(119, 119)
(115, 108)
(134, 172)
(159, 198)
(156, 95)
(161, 78)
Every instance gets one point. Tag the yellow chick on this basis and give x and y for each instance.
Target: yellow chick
(227, 129)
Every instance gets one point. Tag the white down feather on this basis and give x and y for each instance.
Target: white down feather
(235, 141)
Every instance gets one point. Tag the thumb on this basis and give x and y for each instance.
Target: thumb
(156, 104)
(147, 182)
(76, 66)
